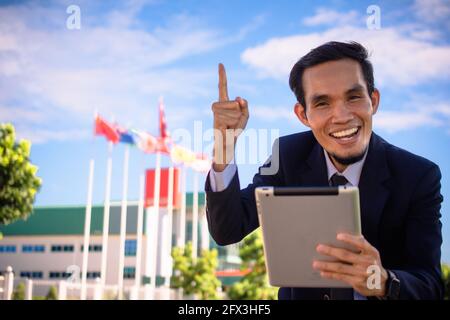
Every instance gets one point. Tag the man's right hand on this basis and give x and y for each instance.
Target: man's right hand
(230, 119)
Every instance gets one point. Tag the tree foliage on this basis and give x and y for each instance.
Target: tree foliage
(19, 292)
(52, 294)
(18, 181)
(254, 285)
(446, 278)
(195, 276)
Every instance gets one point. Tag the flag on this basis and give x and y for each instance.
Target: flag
(164, 187)
(145, 141)
(103, 128)
(124, 135)
(182, 155)
(201, 163)
(163, 133)
(163, 145)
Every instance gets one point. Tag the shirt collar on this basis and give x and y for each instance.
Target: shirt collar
(352, 173)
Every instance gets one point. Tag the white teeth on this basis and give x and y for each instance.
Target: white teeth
(344, 133)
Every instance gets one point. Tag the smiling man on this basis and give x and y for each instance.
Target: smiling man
(399, 192)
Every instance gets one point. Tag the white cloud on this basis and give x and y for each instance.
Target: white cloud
(432, 10)
(273, 113)
(52, 75)
(424, 34)
(442, 108)
(395, 121)
(412, 61)
(402, 55)
(325, 16)
(44, 135)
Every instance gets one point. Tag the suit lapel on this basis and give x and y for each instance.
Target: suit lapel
(373, 192)
(313, 172)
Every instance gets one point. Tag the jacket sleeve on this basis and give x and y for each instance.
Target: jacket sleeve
(421, 279)
(231, 213)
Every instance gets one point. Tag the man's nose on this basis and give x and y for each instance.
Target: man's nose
(341, 113)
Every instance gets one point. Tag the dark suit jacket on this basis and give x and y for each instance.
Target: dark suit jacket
(400, 209)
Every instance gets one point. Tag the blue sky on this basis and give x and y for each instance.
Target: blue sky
(129, 53)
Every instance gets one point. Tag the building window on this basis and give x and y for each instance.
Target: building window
(58, 275)
(7, 249)
(27, 248)
(62, 248)
(129, 272)
(56, 248)
(93, 247)
(93, 275)
(130, 247)
(31, 274)
(68, 248)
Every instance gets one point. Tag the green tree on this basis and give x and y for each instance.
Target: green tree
(446, 278)
(19, 292)
(195, 276)
(254, 285)
(52, 294)
(18, 181)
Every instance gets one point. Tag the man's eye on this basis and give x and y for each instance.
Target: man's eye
(321, 104)
(353, 98)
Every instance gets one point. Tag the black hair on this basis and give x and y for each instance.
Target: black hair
(331, 51)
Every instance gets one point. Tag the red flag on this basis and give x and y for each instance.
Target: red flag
(162, 121)
(103, 128)
(164, 188)
(162, 145)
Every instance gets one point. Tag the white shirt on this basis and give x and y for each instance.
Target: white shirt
(352, 173)
(219, 181)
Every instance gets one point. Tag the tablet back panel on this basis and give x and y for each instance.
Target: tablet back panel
(294, 221)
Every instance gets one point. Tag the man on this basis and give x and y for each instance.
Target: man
(399, 192)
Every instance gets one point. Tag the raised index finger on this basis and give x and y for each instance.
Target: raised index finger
(223, 90)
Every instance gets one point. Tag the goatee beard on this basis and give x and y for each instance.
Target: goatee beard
(348, 160)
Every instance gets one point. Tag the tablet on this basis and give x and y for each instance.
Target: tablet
(294, 221)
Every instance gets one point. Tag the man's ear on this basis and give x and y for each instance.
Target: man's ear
(300, 112)
(375, 98)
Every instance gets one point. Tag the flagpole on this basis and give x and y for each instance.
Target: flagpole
(123, 223)
(156, 222)
(169, 222)
(87, 230)
(205, 231)
(140, 222)
(181, 239)
(106, 216)
(195, 216)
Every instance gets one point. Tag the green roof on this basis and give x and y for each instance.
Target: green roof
(69, 220)
(190, 198)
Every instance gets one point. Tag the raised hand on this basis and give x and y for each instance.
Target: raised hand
(230, 119)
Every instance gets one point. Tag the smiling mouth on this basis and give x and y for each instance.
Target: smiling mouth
(345, 134)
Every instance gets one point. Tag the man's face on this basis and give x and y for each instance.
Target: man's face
(339, 110)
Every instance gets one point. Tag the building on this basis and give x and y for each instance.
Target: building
(48, 246)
